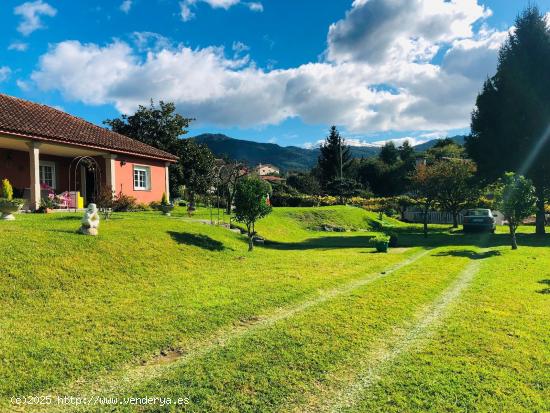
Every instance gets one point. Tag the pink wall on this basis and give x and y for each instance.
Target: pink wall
(14, 165)
(124, 178)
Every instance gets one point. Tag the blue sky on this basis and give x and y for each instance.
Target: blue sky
(268, 70)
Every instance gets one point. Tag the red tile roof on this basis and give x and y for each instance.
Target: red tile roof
(40, 122)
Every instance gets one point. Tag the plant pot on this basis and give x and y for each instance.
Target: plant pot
(382, 246)
(167, 209)
(8, 208)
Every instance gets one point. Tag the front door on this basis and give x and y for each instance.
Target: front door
(91, 189)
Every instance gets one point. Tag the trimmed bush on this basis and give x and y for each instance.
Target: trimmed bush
(124, 203)
(7, 190)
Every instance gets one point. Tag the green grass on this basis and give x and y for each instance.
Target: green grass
(171, 307)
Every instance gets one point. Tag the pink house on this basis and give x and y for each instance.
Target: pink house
(44, 147)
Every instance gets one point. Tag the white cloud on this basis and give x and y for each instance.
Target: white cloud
(361, 90)
(4, 73)
(23, 85)
(376, 31)
(19, 46)
(255, 6)
(147, 41)
(400, 141)
(125, 6)
(187, 6)
(185, 11)
(31, 13)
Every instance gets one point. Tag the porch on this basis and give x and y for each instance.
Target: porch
(39, 169)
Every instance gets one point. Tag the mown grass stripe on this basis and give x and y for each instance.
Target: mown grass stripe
(404, 339)
(134, 375)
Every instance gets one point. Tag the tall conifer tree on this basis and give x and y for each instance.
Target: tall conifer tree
(511, 121)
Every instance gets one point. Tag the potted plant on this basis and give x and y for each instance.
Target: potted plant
(165, 206)
(8, 205)
(381, 243)
(47, 204)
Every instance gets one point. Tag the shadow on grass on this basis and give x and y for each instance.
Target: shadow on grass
(544, 290)
(468, 254)
(322, 243)
(197, 240)
(412, 237)
(69, 218)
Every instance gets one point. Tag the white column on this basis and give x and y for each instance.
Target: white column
(110, 171)
(34, 156)
(167, 177)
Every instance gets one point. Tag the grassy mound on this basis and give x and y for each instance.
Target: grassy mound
(300, 223)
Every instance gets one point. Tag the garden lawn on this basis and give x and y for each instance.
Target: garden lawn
(311, 320)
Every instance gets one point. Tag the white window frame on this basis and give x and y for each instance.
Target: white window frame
(147, 170)
(51, 165)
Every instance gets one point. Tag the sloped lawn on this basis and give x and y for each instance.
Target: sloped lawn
(171, 307)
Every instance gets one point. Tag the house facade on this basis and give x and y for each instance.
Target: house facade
(266, 169)
(44, 150)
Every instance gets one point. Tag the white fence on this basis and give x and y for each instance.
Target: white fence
(436, 217)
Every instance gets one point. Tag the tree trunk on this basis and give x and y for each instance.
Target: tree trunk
(250, 238)
(229, 203)
(425, 222)
(455, 219)
(541, 218)
(513, 237)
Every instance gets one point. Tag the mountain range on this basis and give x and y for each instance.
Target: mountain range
(287, 158)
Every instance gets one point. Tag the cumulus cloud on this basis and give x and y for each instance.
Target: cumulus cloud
(31, 14)
(4, 73)
(125, 6)
(187, 6)
(376, 31)
(18, 46)
(362, 90)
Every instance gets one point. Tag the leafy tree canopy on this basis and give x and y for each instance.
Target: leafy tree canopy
(510, 120)
(251, 203)
(304, 183)
(515, 198)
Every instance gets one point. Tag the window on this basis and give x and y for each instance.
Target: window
(47, 173)
(142, 178)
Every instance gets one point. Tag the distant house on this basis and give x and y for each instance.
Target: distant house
(42, 147)
(266, 169)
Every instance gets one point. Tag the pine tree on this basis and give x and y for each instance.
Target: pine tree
(510, 124)
(335, 158)
(389, 153)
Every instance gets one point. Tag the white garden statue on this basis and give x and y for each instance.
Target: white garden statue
(90, 221)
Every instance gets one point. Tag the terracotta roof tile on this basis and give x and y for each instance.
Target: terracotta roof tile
(39, 121)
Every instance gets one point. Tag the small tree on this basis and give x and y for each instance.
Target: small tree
(105, 200)
(401, 204)
(229, 175)
(515, 198)
(251, 204)
(423, 181)
(453, 180)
